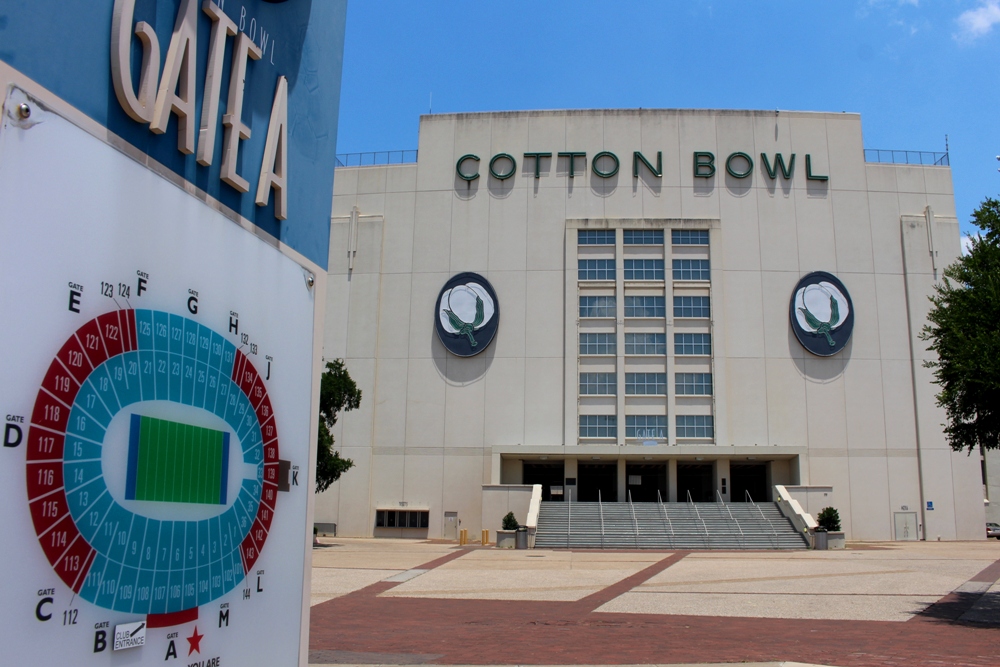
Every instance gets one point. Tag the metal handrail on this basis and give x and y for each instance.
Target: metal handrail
(569, 516)
(374, 158)
(763, 516)
(742, 536)
(670, 524)
(635, 523)
(708, 537)
(888, 156)
(600, 507)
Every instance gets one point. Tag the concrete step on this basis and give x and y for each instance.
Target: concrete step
(665, 526)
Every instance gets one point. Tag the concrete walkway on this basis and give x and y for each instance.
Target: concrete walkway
(406, 602)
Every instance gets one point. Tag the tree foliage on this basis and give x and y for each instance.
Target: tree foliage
(964, 331)
(337, 393)
(510, 522)
(829, 519)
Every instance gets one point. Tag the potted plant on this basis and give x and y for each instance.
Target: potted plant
(829, 527)
(506, 537)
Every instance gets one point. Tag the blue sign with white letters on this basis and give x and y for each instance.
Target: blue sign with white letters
(160, 75)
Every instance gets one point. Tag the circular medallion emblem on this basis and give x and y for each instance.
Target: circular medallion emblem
(821, 313)
(467, 314)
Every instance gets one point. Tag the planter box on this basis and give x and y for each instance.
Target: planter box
(835, 540)
(506, 539)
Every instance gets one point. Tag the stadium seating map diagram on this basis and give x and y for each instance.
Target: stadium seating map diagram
(157, 392)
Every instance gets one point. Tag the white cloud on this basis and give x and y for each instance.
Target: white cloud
(966, 244)
(977, 22)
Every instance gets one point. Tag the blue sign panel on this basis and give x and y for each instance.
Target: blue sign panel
(159, 74)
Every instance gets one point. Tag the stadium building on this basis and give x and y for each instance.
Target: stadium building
(646, 306)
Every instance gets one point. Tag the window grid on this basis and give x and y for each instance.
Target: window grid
(598, 426)
(646, 384)
(690, 269)
(401, 519)
(598, 384)
(694, 426)
(692, 306)
(645, 343)
(692, 344)
(693, 384)
(596, 269)
(643, 237)
(595, 237)
(645, 306)
(644, 269)
(646, 427)
(689, 237)
(598, 306)
(598, 343)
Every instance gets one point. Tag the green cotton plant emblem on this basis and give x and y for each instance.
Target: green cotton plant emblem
(823, 327)
(466, 328)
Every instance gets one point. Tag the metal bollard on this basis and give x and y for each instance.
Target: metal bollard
(486, 537)
(463, 537)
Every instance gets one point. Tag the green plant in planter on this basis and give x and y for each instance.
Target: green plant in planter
(509, 522)
(828, 519)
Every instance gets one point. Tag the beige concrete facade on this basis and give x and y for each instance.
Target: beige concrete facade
(434, 428)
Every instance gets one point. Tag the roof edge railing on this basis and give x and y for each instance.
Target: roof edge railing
(926, 158)
(376, 158)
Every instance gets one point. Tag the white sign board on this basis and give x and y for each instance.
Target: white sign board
(157, 376)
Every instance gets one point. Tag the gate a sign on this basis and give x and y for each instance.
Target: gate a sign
(166, 169)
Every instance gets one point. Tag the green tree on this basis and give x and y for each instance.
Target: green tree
(337, 392)
(964, 331)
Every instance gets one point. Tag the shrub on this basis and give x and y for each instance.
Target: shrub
(509, 522)
(829, 519)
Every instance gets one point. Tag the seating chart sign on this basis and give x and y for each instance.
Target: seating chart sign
(157, 401)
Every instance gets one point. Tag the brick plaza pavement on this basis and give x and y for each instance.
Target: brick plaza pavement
(365, 626)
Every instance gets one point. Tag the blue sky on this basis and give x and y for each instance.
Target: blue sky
(915, 69)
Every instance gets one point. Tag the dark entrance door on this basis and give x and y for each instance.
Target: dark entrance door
(645, 480)
(696, 478)
(597, 477)
(750, 477)
(546, 474)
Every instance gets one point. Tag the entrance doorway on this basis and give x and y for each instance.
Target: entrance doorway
(594, 478)
(546, 474)
(906, 526)
(450, 529)
(696, 478)
(749, 477)
(645, 481)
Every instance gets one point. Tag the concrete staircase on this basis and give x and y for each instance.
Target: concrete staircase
(665, 526)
